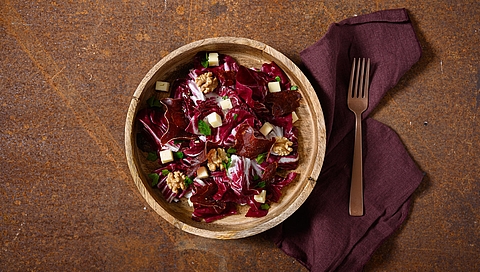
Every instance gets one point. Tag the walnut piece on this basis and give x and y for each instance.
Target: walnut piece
(282, 146)
(175, 181)
(206, 82)
(216, 158)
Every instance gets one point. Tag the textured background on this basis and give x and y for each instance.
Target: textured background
(69, 69)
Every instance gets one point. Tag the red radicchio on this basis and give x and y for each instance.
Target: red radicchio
(176, 127)
(206, 207)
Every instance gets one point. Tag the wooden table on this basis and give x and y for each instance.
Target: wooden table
(68, 72)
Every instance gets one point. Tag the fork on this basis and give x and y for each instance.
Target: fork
(358, 102)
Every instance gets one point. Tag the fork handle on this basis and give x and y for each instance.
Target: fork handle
(356, 186)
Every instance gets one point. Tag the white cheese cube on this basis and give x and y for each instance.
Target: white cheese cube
(214, 119)
(260, 198)
(202, 172)
(266, 128)
(274, 87)
(162, 86)
(226, 104)
(213, 59)
(294, 117)
(166, 156)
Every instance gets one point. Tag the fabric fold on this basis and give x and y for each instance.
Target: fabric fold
(321, 235)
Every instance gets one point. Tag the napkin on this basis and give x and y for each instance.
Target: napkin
(321, 235)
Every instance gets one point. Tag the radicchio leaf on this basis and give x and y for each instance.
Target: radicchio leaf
(175, 127)
(177, 123)
(206, 207)
(251, 85)
(274, 71)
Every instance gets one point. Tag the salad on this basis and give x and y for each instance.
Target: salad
(224, 137)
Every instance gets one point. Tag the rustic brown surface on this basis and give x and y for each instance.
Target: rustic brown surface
(68, 72)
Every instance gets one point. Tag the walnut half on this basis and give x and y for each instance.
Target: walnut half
(175, 181)
(282, 146)
(216, 158)
(206, 82)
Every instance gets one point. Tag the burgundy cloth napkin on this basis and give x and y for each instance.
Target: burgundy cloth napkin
(321, 234)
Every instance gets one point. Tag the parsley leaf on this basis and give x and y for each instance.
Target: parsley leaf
(205, 61)
(261, 184)
(154, 177)
(152, 156)
(261, 158)
(277, 78)
(188, 181)
(265, 206)
(165, 172)
(229, 162)
(178, 155)
(231, 150)
(204, 128)
(294, 88)
(153, 102)
(235, 116)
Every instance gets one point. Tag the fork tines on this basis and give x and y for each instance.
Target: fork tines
(360, 88)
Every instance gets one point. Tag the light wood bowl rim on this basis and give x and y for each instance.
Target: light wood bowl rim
(303, 186)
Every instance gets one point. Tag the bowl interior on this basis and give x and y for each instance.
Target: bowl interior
(311, 139)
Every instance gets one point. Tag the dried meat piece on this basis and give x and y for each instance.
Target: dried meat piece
(248, 144)
(276, 102)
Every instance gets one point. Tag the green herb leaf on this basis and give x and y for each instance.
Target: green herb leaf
(229, 162)
(152, 156)
(165, 172)
(204, 128)
(265, 206)
(277, 78)
(231, 150)
(261, 184)
(178, 155)
(261, 158)
(154, 177)
(294, 88)
(153, 102)
(225, 97)
(188, 181)
(235, 116)
(205, 61)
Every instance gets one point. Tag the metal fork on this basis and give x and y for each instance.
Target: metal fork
(358, 102)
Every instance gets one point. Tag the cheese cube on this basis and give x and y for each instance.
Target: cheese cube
(202, 172)
(266, 128)
(226, 104)
(166, 156)
(162, 86)
(294, 117)
(213, 59)
(274, 87)
(214, 119)
(260, 198)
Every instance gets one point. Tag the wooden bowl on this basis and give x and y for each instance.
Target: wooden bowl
(311, 126)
